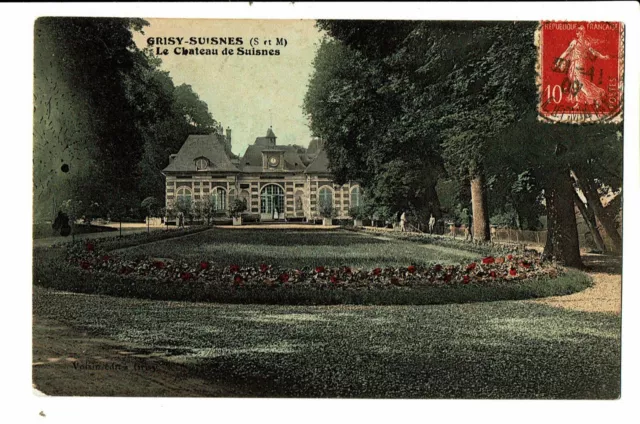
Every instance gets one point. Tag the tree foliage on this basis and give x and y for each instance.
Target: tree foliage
(106, 117)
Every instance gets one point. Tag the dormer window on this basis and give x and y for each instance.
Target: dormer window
(202, 164)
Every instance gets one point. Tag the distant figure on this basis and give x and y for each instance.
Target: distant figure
(62, 223)
(180, 220)
(452, 229)
(403, 222)
(432, 224)
(275, 213)
(467, 231)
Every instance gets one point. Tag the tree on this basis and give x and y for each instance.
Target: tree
(73, 209)
(151, 206)
(326, 209)
(237, 207)
(431, 94)
(106, 117)
(185, 205)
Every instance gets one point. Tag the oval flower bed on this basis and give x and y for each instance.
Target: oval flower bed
(95, 270)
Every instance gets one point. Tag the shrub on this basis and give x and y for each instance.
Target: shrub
(237, 207)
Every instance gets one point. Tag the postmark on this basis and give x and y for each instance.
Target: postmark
(580, 71)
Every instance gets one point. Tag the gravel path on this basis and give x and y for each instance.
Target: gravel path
(606, 293)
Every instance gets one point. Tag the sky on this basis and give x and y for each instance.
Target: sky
(245, 93)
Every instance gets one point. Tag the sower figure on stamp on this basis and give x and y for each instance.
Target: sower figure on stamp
(432, 224)
(577, 57)
(403, 222)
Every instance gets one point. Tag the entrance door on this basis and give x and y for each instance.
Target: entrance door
(271, 203)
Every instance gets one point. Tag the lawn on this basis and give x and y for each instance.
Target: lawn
(482, 350)
(299, 248)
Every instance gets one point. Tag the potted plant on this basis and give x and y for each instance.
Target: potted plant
(358, 214)
(236, 208)
(327, 212)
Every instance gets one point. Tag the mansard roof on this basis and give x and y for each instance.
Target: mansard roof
(211, 146)
(252, 159)
(320, 164)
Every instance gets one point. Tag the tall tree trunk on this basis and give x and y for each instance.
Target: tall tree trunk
(590, 191)
(590, 220)
(479, 208)
(562, 235)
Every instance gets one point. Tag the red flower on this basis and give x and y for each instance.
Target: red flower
(411, 269)
(284, 277)
(319, 269)
(447, 277)
(204, 265)
(234, 268)
(437, 268)
(264, 268)
(493, 274)
(186, 276)
(106, 258)
(85, 265)
(471, 266)
(158, 264)
(525, 264)
(466, 279)
(90, 247)
(509, 257)
(513, 272)
(488, 260)
(347, 270)
(237, 279)
(334, 280)
(377, 271)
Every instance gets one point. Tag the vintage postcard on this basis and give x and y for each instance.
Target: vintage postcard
(328, 208)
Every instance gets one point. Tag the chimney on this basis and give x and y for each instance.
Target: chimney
(229, 138)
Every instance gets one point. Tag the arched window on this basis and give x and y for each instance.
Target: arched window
(183, 193)
(272, 199)
(219, 199)
(356, 197)
(202, 164)
(326, 196)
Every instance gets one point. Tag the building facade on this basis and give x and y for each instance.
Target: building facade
(277, 182)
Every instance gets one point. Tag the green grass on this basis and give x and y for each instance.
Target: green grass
(481, 350)
(299, 248)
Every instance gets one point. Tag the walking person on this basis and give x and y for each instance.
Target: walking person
(403, 222)
(432, 224)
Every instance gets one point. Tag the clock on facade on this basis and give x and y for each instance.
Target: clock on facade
(273, 161)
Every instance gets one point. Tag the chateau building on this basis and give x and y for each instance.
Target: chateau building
(277, 182)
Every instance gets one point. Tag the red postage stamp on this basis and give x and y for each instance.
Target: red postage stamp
(580, 71)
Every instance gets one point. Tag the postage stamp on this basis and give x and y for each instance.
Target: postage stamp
(580, 71)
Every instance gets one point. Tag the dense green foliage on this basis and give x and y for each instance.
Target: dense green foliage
(453, 101)
(106, 117)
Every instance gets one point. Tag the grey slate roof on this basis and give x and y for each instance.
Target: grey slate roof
(212, 147)
(320, 165)
(252, 159)
(209, 146)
